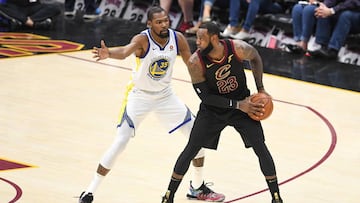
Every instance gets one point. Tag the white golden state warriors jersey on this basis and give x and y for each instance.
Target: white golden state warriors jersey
(154, 69)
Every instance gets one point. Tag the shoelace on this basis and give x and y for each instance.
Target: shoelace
(206, 189)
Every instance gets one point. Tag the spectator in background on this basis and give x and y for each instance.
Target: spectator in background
(30, 13)
(187, 7)
(234, 15)
(205, 15)
(205, 10)
(254, 7)
(303, 25)
(91, 9)
(336, 19)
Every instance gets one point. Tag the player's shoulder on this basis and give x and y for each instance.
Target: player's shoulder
(142, 36)
(241, 45)
(238, 42)
(194, 58)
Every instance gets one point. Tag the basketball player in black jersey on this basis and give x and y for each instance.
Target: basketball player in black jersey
(217, 73)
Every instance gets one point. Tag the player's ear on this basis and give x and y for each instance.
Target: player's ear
(148, 24)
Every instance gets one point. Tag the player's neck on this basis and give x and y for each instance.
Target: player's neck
(217, 54)
(159, 40)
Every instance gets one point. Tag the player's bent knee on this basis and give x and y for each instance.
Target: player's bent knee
(200, 154)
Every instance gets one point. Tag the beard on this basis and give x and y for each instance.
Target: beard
(163, 34)
(207, 50)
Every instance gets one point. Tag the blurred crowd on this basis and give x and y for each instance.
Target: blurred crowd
(328, 22)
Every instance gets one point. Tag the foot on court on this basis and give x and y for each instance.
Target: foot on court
(277, 201)
(276, 198)
(86, 198)
(204, 193)
(166, 198)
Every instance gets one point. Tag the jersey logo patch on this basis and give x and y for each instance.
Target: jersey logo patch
(158, 68)
(223, 72)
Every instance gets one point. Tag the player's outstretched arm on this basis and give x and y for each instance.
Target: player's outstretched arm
(104, 52)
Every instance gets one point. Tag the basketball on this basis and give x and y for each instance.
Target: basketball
(268, 105)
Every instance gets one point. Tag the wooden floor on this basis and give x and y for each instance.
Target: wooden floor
(58, 114)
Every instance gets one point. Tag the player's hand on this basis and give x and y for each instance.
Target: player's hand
(247, 106)
(102, 52)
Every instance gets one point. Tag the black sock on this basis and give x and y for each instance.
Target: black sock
(273, 187)
(173, 186)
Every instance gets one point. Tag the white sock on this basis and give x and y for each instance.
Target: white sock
(95, 183)
(198, 179)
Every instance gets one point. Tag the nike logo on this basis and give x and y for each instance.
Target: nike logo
(209, 65)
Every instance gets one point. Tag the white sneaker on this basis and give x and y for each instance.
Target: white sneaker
(241, 35)
(70, 14)
(229, 31)
(91, 16)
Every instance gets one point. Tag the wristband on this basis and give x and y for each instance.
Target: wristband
(208, 98)
(260, 87)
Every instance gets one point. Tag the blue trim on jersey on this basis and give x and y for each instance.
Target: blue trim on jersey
(161, 48)
(187, 119)
(177, 45)
(128, 119)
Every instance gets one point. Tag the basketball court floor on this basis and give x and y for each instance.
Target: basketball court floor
(59, 111)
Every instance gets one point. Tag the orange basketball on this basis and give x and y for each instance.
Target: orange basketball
(268, 105)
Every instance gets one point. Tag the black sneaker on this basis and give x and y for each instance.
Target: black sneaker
(11, 23)
(296, 49)
(86, 198)
(276, 198)
(166, 198)
(44, 25)
(326, 53)
(277, 201)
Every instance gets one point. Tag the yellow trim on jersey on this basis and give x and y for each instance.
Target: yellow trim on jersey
(129, 87)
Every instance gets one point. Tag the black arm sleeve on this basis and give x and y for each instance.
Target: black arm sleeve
(206, 97)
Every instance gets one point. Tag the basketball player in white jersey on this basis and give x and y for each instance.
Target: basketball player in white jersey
(150, 91)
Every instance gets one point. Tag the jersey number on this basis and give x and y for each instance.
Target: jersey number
(227, 85)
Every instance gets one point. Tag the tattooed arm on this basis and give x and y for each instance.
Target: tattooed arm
(247, 52)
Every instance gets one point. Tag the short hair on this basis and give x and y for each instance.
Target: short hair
(212, 27)
(152, 10)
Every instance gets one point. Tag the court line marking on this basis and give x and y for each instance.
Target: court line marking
(17, 189)
(318, 163)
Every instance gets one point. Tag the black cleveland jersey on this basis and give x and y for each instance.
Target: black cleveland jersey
(226, 77)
